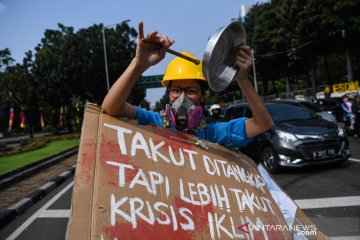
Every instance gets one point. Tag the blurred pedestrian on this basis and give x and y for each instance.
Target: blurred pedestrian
(348, 112)
(327, 91)
(356, 111)
(215, 111)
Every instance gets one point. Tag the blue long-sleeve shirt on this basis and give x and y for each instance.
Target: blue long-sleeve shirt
(230, 134)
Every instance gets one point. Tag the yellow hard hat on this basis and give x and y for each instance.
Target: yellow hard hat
(181, 69)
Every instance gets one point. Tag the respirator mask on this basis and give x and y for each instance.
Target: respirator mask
(183, 113)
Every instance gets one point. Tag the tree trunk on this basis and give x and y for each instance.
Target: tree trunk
(312, 77)
(350, 76)
(287, 84)
(29, 123)
(327, 71)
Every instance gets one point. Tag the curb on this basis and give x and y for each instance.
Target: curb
(15, 210)
(28, 170)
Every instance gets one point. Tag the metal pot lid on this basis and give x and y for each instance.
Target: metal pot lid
(219, 52)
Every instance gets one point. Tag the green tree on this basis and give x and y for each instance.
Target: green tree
(266, 36)
(19, 90)
(71, 65)
(67, 68)
(304, 40)
(334, 27)
(5, 61)
(160, 105)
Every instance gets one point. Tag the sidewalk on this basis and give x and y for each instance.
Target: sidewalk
(19, 190)
(23, 137)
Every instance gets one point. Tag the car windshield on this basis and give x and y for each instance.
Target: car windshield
(310, 105)
(287, 112)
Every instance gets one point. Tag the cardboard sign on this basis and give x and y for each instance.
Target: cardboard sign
(146, 182)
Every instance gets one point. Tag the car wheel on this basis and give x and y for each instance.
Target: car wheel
(270, 160)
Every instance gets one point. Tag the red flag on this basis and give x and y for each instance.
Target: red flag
(61, 116)
(42, 123)
(22, 119)
(11, 120)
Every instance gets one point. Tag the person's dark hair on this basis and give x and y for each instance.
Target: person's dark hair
(204, 86)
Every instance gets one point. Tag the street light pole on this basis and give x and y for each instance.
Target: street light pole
(105, 56)
(243, 11)
(254, 70)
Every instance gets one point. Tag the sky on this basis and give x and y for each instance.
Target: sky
(189, 22)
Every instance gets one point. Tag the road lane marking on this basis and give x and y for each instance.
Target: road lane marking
(346, 238)
(55, 214)
(354, 159)
(302, 203)
(328, 202)
(26, 224)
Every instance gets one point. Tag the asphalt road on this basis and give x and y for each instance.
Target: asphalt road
(329, 196)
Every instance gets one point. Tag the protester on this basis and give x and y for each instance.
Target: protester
(214, 113)
(356, 111)
(186, 87)
(347, 111)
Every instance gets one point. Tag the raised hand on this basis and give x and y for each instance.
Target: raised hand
(243, 62)
(152, 48)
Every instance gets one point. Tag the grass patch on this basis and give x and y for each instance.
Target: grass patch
(12, 162)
